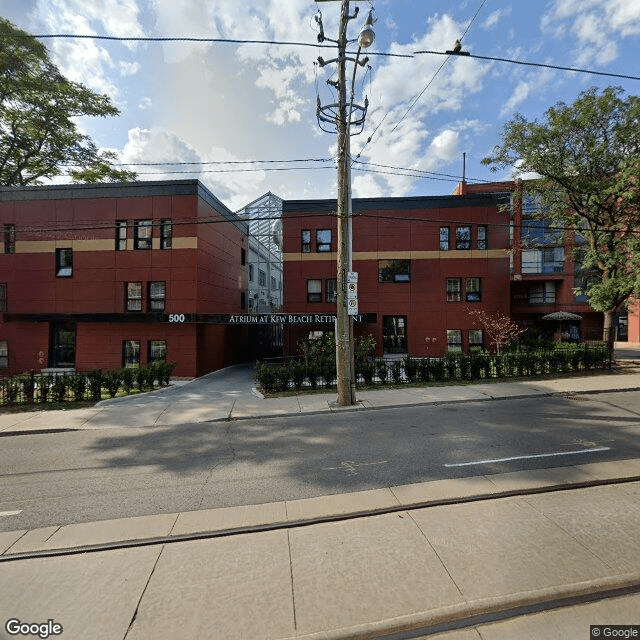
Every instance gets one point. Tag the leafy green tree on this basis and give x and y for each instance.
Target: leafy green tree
(38, 137)
(587, 157)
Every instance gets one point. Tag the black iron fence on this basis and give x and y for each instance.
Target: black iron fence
(564, 358)
(31, 388)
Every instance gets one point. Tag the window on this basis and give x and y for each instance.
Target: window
(133, 296)
(3, 296)
(243, 300)
(121, 235)
(454, 340)
(476, 340)
(131, 353)
(394, 270)
(305, 241)
(541, 293)
(463, 238)
(273, 282)
(323, 240)
(314, 290)
(472, 290)
(4, 354)
(156, 296)
(250, 273)
(444, 239)
(454, 290)
(64, 263)
(142, 234)
(9, 238)
(262, 278)
(156, 351)
(539, 231)
(331, 287)
(543, 260)
(483, 237)
(166, 234)
(243, 257)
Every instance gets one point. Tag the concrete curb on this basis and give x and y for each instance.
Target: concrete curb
(465, 614)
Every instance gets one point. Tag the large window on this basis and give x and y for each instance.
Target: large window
(454, 340)
(166, 234)
(262, 278)
(394, 270)
(454, 289)
(472, 289)
(3, 296)
(538, 231)
(541, 293)
(314, 290)
(142, 233)
(323, 240)
(121, 235)
(156, 296)
(543, 260)
(445, 242)
(476, 340)
(331, 287)
(133, 296)
(131, 353)
(305, 241)
(9, 238)
(4, 354)
(483, 237)
(463, 237)
(156, 351)
(64, 263)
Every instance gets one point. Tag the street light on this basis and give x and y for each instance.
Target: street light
(341, 116)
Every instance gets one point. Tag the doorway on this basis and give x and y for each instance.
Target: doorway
(62, 345)
(394, 334)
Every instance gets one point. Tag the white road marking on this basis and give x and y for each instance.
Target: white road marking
(350, 466)
(9, 513)
(539, 455)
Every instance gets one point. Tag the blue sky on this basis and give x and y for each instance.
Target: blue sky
(218, 104)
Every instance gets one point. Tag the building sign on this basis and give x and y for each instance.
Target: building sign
(288, 318)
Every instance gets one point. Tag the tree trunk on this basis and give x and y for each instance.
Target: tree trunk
(607, 329)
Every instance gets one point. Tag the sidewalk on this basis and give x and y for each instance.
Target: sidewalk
(358, 565)
(276, 571)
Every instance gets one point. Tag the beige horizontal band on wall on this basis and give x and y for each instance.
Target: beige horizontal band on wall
(49, 246)
(402, 255)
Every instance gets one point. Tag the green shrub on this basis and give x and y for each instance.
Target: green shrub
(411, 366)
(78, 384)
(127, 377)
(95, 384)
(28, 386)
(396, 372)
(298, 374)
(59, 388)
(382, 370)
(112, 382)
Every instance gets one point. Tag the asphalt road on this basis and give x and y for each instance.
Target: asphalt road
(69, 477)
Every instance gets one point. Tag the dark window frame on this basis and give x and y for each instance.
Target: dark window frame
(64, 262)
(322, 246)
(314, 296)
(463, 242)
(452, 345)
(482, 237)
(166, 234)
(475, 345)
(3, 297)
(305, 241)
(121, 238)
(4, 354)
(453, 294)
(129, 299)
(445, 239)
(153, 299)
(9, 238)
(331, 290)
(473, 294)
(151, 357)
(131, 348)
(391, 270)
(143, 241)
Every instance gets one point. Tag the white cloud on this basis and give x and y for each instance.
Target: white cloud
(495, 17)
(598, 26)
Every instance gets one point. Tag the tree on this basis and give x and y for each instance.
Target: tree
(38, 137)
(500, 329)
(587, 157)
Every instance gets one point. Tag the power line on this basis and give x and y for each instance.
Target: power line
(536, 64)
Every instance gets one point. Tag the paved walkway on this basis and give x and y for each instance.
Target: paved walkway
(356, 565)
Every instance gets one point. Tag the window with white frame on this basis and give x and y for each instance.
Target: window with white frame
(472, 289)
(156, 296)
(454, 290)
(314, 290)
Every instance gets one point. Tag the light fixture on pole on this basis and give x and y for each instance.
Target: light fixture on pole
(343, 116)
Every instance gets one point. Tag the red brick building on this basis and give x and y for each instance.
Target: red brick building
(422, 264)
(544, 270)
(113, 274)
